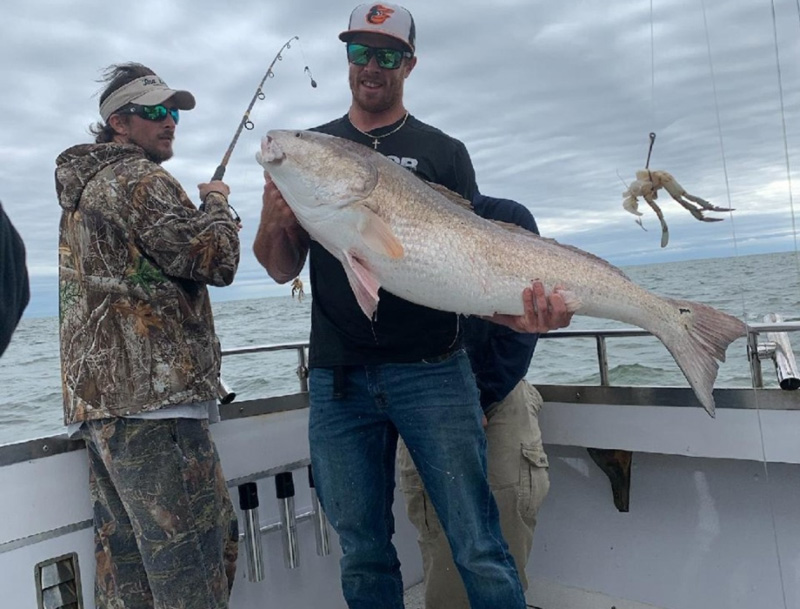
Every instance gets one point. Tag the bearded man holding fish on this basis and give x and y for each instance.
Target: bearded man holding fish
(399, 368)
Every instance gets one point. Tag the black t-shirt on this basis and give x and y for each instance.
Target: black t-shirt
(14, 291)
(341, 335)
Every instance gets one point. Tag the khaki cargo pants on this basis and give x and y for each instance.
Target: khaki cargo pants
(166, 535)
(518, 478)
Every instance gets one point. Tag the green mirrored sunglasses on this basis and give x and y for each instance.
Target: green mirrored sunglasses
(389, 59)
(156, 113)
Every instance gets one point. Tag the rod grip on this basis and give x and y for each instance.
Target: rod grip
(219, 173)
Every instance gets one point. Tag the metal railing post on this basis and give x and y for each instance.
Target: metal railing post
(602, 359)
(755, 362)
(302, 369)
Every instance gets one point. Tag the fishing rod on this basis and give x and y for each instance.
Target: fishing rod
(246, 123)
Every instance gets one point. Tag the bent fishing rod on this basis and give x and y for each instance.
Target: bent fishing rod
(246, 123)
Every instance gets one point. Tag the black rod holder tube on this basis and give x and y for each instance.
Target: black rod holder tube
(248, 502)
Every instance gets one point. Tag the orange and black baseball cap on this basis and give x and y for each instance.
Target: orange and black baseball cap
(388, 19)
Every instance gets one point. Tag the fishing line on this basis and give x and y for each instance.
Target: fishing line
(652, 136)
(783, 125)
(794, 227)
(723, 155)
(764, 461)
(653, 70)
(798, 8)
(307, 70)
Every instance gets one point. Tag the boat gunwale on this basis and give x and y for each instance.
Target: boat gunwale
(741, 398)
(644, 396)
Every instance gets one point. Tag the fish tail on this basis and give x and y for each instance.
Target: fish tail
(698, 342)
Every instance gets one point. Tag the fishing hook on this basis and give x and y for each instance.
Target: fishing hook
(650, 150)
(246, 123)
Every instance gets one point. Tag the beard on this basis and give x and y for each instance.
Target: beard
(156, 153)
(375, 101)
(157, 156)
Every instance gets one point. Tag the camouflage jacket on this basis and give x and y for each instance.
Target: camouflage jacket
(135, 256)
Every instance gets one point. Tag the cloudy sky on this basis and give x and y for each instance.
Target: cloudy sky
(554, 101)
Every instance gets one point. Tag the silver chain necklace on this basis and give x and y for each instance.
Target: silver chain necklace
(376, 139)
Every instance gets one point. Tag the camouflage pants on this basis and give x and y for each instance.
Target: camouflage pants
(166, 535)
(517, 467)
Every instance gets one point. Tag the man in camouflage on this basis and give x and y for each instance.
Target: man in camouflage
(139, 356)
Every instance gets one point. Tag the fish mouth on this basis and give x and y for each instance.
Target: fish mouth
(271, 153)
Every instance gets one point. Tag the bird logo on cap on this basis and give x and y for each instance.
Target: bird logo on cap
(378, 14)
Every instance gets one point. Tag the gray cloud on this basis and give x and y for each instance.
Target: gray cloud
(554, 101)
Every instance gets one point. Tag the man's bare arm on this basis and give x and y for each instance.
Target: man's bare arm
(281, 244)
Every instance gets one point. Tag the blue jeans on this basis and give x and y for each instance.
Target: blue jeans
(435, 408)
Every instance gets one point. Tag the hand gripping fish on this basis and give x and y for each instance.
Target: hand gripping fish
(646, 185)
(392, 230)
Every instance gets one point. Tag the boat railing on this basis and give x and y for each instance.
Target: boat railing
(772, 346)
(226, 394)
(775, 347)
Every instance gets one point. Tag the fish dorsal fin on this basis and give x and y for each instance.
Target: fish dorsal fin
(378, 235)
(511, 227)
(578, 250)
(454, 197)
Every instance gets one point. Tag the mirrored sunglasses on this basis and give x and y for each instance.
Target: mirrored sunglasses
(389, 59)
(156, 113)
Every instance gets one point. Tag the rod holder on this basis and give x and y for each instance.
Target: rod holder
(248, 502)
(284, 490)
(320, 520)
(225, 395)
(780, 350)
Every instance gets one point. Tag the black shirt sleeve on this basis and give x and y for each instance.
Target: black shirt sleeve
(14, 288)
(464, 173)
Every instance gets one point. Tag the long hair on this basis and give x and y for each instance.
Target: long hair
(116, 75)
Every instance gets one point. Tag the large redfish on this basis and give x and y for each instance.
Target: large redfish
(391, 230)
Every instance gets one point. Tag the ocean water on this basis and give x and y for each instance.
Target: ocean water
(748, 287)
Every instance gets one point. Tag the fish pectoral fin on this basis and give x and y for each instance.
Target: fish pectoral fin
(378, 236)
(363, 282)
